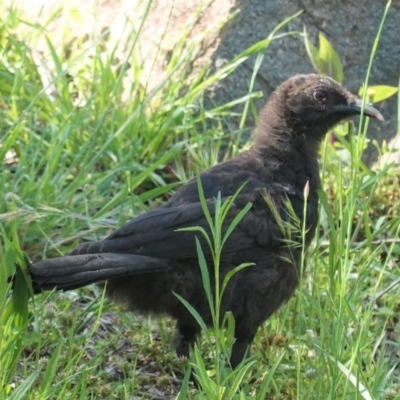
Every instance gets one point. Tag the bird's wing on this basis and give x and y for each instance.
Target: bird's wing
(157, 233)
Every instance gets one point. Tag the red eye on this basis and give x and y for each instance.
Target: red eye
(321, 96)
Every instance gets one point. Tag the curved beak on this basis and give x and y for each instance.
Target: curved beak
(356, 107)
(369, 111)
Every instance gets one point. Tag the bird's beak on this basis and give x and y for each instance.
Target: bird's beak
(355, 107)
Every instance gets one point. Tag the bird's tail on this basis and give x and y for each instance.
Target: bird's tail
(74, 271)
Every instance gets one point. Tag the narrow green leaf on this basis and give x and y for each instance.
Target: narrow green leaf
(205, 276)
(192, 311)
(235, 222)
(16, 312)
(239, 376)
(198, 229)
(203, 203)
(231, 200)
(22, 389)
(184, 392)
(332, 66)
(265, 387)
(361, 389)
(312, 51)
(324, 59)
(232, 272)
(51, 370)
(206, 383)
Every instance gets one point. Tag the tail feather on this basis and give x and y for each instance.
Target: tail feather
(71, 272)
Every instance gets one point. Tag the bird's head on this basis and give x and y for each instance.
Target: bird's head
(312, 104)
(318, 100)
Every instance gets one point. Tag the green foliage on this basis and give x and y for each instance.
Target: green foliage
(13, 311)
(378, 93)
(222, 384)
(324, 59)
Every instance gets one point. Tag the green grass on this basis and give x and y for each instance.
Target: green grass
(89, 147)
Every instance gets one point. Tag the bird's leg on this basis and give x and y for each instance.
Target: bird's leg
(241, 347)
(185, 337)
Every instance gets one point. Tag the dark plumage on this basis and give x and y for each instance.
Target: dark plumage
(147, 258)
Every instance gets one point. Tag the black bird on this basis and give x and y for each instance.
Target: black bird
(148, 259)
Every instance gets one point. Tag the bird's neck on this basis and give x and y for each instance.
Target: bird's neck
(283, 142)
(288, 132)
(292, 148)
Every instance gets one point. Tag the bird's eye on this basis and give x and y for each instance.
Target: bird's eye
(321, 96)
